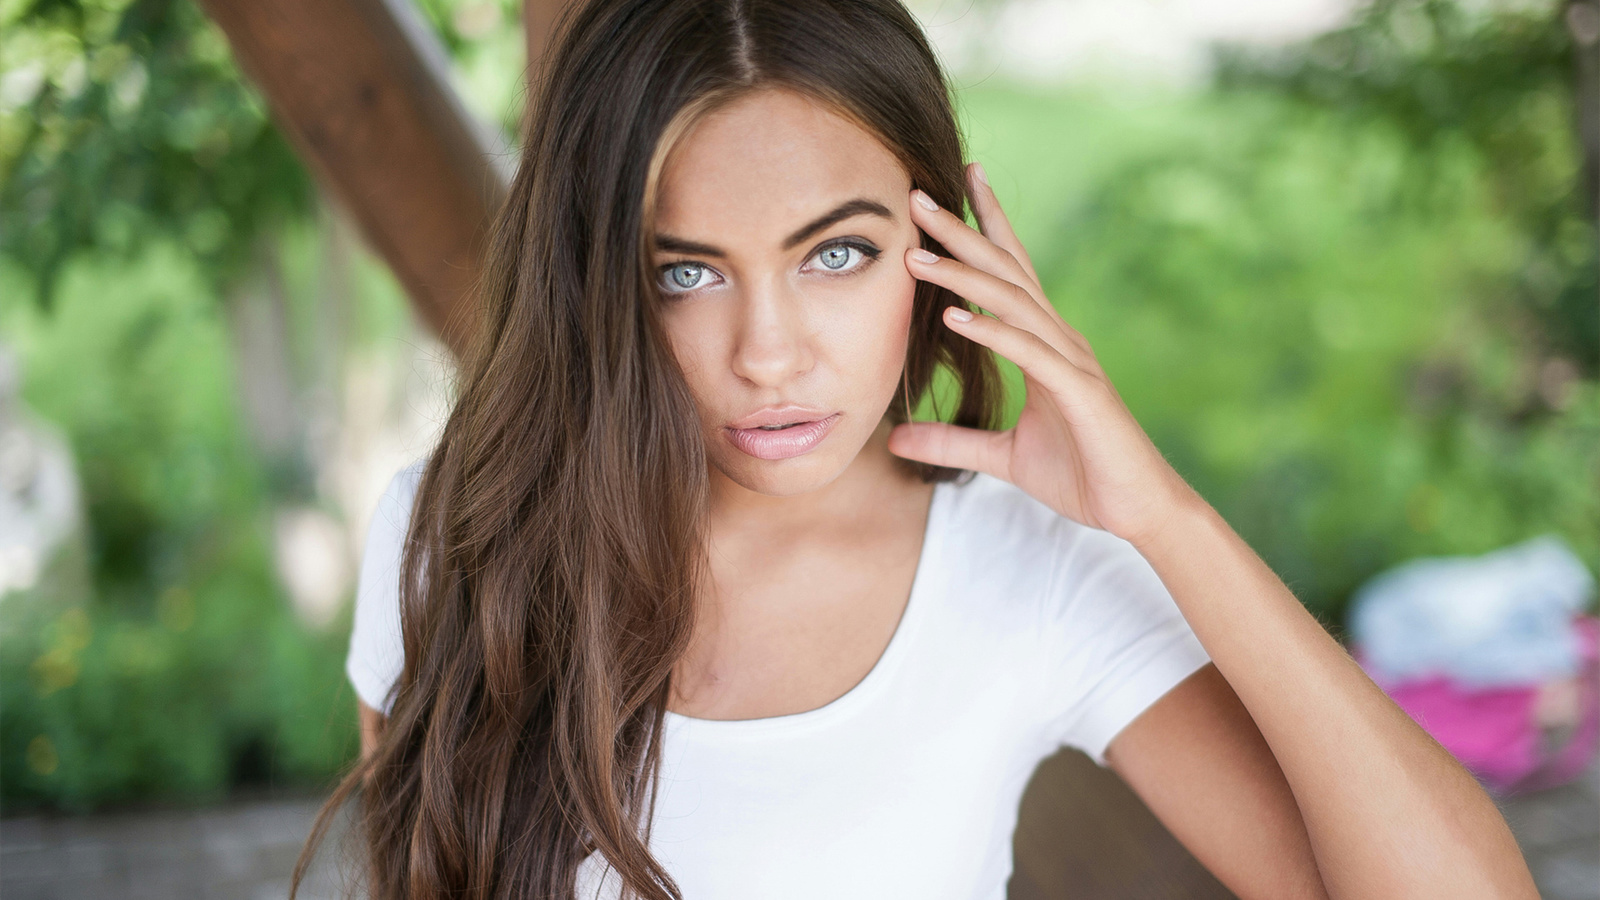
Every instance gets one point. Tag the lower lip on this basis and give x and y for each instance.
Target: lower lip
(784, 442)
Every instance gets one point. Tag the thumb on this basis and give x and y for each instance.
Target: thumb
(940, 444)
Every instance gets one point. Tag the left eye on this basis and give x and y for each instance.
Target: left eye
(839, 257)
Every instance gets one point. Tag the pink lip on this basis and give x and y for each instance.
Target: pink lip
(783, 444)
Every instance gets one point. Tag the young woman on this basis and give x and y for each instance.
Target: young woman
(684, 605)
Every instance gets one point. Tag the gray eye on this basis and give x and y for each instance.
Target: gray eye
(686, 275)
(835, 257)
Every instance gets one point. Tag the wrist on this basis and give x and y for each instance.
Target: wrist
(1184, 516)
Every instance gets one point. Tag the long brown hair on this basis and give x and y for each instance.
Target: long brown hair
(547, 582)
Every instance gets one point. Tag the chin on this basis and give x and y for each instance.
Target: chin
(780, 478)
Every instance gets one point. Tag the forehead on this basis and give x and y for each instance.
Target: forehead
(749, 172)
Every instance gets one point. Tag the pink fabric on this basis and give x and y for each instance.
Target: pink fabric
(1495, 732)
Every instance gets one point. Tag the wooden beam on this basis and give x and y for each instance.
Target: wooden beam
(361, 88)
(539, 20)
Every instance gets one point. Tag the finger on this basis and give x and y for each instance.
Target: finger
(968, 245)
(975, 249)
(992, 219)
(997, 226)
(939, 444)
(1038, 360)
(1007, 300)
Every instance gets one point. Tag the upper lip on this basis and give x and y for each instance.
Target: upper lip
(779, 415)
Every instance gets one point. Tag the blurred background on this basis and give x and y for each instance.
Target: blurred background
(1340, 259)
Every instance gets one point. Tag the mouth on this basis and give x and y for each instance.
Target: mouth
(782, 440)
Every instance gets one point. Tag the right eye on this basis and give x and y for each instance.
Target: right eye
(683, 277)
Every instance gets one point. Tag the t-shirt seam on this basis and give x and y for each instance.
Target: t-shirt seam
(1162, 658)
(1112, 669)
(358, 670)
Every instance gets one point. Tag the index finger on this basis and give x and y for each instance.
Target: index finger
(969, 245)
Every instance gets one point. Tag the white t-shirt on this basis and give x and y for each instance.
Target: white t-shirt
(1024, 631)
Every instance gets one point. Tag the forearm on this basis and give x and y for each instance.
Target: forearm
(1389, 812)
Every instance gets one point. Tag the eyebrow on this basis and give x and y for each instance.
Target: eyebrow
(860, 206)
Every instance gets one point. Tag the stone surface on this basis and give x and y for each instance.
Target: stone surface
(1559, 831)
(246, 851)
(242, 851)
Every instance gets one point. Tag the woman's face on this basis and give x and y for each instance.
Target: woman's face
(780, 238)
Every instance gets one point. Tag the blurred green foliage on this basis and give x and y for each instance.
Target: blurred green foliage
(185, 672)
(1496, 80)
(488, 51)
(1349, 291)
(1323, 356)
(126, 121)
(139, 180)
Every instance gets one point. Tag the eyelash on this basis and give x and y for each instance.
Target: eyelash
(869, 255)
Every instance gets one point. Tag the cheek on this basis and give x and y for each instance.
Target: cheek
(869, 335)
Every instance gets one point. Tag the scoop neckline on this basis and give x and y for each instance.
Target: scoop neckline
(870, 684)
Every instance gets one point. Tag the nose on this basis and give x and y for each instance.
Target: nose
(772, 342)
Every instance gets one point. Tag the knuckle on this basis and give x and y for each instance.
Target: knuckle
(1024, 272)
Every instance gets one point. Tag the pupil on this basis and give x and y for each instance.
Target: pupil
(835, 257)
(685, 276)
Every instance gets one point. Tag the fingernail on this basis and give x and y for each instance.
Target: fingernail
(977, 169)
(926, 201)
(959, 314)
(923, 256)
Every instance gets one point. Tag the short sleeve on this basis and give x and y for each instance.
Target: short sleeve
(1114, 641)
(376, 652)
